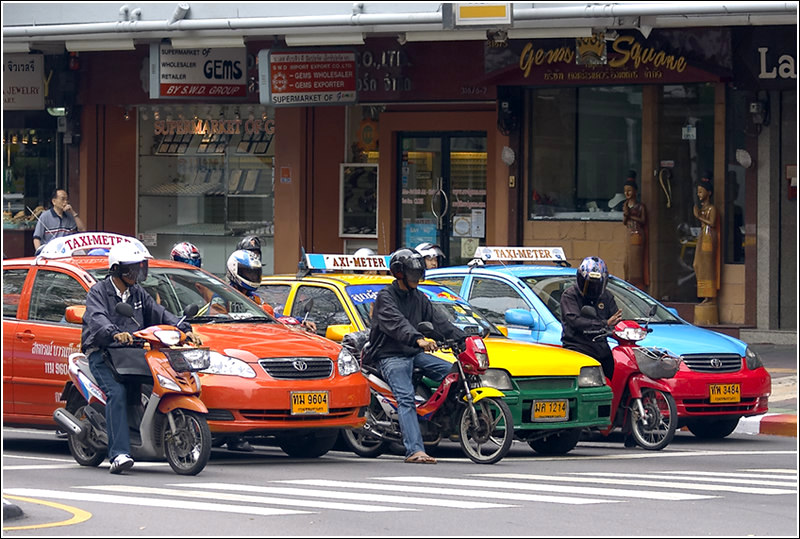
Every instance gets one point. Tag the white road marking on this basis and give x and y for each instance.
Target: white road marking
(544, 487)
(607, 478)
(196, 493)
(151, 502)
(349, 495)
(473, 493)
(727, 477)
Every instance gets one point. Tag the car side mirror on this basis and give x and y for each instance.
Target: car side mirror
(74, 314)
(524, 317)
(336, 332)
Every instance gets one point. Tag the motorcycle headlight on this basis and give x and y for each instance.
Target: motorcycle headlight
(752, 360)
(632, 334)
(230, 366)
(498, 379)
(348, 364)
(189, 359)
(591, 377)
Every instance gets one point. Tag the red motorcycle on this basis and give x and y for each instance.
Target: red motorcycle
(461, 407)
(642, 405)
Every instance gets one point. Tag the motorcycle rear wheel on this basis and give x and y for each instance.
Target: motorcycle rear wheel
(488, 441)
(656, 429)
(188, 447)
(363, 443)
(85, 453)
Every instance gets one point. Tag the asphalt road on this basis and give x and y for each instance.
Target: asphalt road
(743, 485)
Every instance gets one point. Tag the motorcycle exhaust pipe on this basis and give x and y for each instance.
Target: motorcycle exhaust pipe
(70, 423)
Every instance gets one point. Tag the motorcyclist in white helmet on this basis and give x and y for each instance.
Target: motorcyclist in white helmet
(434, 256)
(102, 326)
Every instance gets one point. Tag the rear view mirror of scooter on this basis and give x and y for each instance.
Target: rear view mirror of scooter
(427, 330)
(589, 311)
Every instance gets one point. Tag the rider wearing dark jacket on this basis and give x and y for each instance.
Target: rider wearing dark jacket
(399, 347)
(580, 330)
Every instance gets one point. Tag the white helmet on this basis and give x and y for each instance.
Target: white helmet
(364, 251)
(129, 259)
(244, 269)
(431, 250)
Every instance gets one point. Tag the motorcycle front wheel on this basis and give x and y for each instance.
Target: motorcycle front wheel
(188, 447)
(360, 440)
(654, 430)
(488, 440)
(84, 452)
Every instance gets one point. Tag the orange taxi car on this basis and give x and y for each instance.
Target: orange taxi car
(265, 378)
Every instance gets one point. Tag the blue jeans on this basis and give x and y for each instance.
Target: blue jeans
(397, 372)
(119, 442)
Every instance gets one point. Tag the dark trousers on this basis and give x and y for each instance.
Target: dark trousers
(119, 442)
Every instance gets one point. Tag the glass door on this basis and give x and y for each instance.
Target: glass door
(442, 192)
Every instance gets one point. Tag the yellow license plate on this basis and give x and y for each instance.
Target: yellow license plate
(553, 410)
(725, 392)
(309, 402)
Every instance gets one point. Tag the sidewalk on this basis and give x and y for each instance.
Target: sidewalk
(780, 360)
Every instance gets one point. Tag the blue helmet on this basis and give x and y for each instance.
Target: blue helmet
(244, 270)
(592, 277)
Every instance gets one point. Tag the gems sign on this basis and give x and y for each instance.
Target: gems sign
(303, 78)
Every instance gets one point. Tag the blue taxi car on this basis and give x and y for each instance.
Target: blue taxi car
(525, 298)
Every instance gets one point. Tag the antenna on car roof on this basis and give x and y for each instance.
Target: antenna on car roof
(302, 266)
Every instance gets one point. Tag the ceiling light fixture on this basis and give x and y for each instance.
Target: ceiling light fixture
(199, 42)
(86, 45)
(324, 39)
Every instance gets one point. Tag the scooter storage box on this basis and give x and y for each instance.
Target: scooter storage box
(656, 363)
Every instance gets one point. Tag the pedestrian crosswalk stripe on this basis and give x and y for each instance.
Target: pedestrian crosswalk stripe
(773, 470)
(750, 479)
(607, 478)
(231, 497)
(473, 493)
(545, 487)
(151, 502)
(350, 495)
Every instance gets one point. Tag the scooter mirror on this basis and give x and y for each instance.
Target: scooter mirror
(653, 311)
(588, 310)
(190, 310)
(426, 328)
(124, 309)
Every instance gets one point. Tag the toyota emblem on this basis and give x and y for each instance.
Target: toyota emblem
(716, 363)
(301, 365)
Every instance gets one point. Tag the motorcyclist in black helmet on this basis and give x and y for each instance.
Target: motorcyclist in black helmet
(250, 243)
(589, 289)
(400, 347)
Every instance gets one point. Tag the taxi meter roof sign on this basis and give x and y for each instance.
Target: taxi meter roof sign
(81, 244)
(521, 254)
(347, 262)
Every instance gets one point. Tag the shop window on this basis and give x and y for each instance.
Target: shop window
(29, 175)
(206, 176)
(583, 142)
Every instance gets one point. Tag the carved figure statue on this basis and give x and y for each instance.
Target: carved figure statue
(634, 217)
(706, 256)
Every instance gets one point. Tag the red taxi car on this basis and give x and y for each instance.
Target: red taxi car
(266, 378)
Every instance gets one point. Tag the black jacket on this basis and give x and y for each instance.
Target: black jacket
(575, 325)
(394, 322)
(101, 322)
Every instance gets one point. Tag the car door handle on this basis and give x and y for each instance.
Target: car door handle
(25, 335)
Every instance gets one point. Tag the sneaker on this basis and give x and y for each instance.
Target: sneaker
(239, 444)
(120, 463)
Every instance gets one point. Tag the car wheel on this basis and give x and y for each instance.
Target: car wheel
(309, 445)
(559, 443)
(716, 429)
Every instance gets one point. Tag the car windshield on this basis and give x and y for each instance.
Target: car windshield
(458, 312)
(177, 288)
(634, 303)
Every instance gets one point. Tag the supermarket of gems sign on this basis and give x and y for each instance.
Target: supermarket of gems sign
(213, 127)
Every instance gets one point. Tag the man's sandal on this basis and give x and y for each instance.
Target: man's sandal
(420, 458)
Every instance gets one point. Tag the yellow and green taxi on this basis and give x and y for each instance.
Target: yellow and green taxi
(553, 393)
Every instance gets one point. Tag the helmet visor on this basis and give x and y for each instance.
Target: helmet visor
(414, 270)
(593, 286)
(250, 275)
(136, 272)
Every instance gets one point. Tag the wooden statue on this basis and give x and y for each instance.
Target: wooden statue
(707, 256)
(634, 217)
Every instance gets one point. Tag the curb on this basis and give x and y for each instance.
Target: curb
(775, 424)
(10, 511)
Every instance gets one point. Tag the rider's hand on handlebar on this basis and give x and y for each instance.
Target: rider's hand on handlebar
(123, 337)
(193, 338)
(615, 318)
(426, 345)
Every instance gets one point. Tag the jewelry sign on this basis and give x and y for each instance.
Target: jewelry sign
(183, 73)
(303, 78)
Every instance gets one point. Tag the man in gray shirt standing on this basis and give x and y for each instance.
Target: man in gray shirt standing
(60, 220)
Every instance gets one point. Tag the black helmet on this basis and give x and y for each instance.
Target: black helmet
(407, 265)
(592, 277)
(250, 243)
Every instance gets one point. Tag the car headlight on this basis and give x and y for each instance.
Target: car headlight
(591, 377)
(498, 379)
(348, 364)
(229, 366)
(752, 360)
